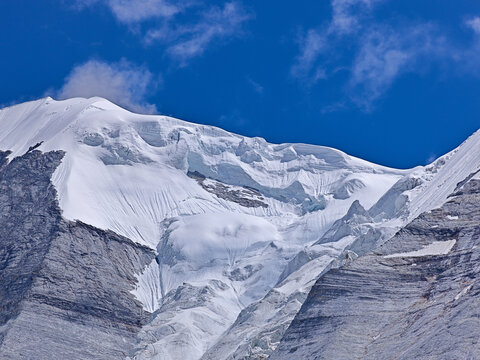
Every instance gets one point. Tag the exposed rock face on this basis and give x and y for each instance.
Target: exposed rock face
(65, 286)
(258, 206)
(244, 196)
(415, 297)
(260, 326)
(243, 229)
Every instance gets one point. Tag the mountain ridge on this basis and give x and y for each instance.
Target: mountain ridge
(240, 229)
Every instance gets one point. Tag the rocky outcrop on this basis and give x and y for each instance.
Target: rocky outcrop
(357, 223)
(65, 287)
(415, 297)
(245, 196)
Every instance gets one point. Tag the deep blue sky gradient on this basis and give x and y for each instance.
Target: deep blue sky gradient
(424, 113)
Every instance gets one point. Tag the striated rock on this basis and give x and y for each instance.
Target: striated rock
(65, 286)
(245, 196)
(236, 251)
(415, 297)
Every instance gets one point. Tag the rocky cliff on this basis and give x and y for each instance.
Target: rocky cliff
(234, 232)
(415, 297)
(66, 285)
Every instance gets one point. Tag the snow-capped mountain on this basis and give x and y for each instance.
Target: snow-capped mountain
(414, 297)
(235, 230)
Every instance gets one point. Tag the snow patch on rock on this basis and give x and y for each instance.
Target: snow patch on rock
(434, 249)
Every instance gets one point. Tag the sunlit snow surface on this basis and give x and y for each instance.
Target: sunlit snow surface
(222, 242)
(435, 248)
(127, 172)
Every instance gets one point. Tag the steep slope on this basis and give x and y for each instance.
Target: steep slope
(65, 286)
(224, 213)
(240, 229)
(417, 296)
(260, 326)
(127, 172)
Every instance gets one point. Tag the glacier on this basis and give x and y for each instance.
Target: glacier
(241, 228)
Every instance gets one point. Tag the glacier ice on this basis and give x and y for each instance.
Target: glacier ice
(241, 228)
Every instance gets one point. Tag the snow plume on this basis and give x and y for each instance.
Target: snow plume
(121, 82)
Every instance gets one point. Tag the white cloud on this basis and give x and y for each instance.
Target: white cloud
(346, 15)
(81, 4)
(216, 24)
(474, 24)
(311, 46)
(123, 83)
(129, 11)
(255, 86)
(183, 39)
(318, 43)
(385, 54)
(376, 53)
(133, 11)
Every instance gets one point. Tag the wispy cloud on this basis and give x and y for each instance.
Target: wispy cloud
(346, 15)
(376, 53)
(312, 44)
(184, 37)
(122, 83)
(467, 60)
(186, 41)
(259, 89)
(318, 44)
(474, 24)
(129, 11)
(384, 54)
(132, 11)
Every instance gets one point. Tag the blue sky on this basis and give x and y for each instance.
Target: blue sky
(394, 82)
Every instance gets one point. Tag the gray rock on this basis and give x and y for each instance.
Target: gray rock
(93, 139)
(247, 197)
(64, 286)
(402, 307)
(391, 204)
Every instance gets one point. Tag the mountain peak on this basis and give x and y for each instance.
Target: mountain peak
(234, 218)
